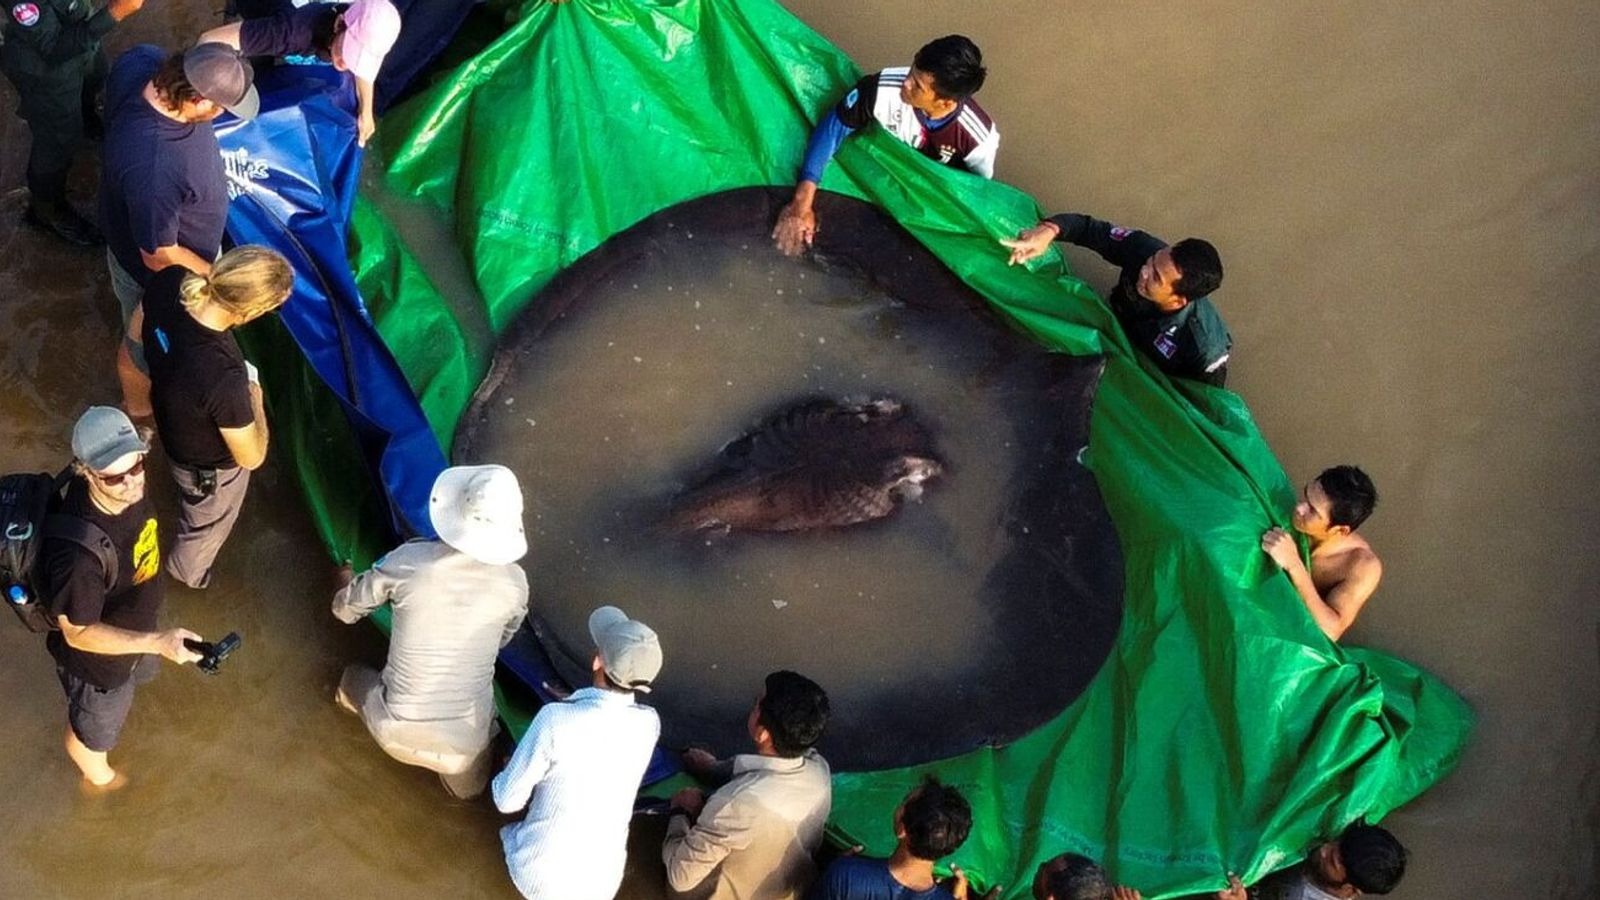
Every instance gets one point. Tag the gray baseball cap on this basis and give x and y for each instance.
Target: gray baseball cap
(103, 435)
(629, 650)
(222, 75)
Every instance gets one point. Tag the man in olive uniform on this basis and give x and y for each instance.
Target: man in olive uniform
(52, 55)
(1161, 297)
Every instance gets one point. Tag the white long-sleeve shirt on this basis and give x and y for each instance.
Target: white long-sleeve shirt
(580, 763)
(452, 614)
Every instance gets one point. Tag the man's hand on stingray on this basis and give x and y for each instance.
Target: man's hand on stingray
(796, 228)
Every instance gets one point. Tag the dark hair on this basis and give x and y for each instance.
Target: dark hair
(1374, 861)
(937, 820)
(955, 64)
(172, 86)
(1351, 496)
(794, 711)
(327, 25)
(1078, 878)
(1199, 268)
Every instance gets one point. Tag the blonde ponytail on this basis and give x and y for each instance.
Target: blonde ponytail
(194, 291)
(246, 281)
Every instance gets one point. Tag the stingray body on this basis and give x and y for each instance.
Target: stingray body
(818, 463)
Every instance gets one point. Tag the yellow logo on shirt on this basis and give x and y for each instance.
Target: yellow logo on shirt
(146, 553)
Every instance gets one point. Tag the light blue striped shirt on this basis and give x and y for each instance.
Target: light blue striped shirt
(577, 770)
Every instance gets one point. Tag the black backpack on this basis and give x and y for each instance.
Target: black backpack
(30, 506)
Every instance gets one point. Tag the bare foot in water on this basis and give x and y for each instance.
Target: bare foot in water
(97, 789)
(344, 702)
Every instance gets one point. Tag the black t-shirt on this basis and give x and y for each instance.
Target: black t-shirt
(161, 182)
(307, 31)
(77, 585)
(198, 382)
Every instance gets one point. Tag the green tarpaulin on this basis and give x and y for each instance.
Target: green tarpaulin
(1224, 732)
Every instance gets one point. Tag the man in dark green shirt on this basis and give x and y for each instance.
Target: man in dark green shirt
(1161, 297)
(51, 53)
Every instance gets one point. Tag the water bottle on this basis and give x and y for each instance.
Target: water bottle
(17, 594)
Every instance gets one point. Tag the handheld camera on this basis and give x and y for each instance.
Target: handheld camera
(212, 654)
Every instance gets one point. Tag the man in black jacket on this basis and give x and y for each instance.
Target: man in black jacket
(51, 53)
(1161, 297)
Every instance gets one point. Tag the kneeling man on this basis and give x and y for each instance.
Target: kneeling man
(457, 600)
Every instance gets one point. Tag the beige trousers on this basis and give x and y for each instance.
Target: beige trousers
(456, 749)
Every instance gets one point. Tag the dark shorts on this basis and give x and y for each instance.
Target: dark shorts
(95, 713)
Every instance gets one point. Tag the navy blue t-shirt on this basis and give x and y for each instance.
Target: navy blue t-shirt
(307, 31)
(859, 878)
(161, 181)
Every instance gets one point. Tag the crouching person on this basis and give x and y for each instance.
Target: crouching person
(456, 601)
(100, 575)
(755, 836)
(578, 768)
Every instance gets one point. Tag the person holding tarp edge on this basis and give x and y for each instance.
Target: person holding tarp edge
(756, 834)
(1162, 297)
(932, 822)
(1344, 571)
(456, 600)
(354, 38)
(577, 770)
(928, 105)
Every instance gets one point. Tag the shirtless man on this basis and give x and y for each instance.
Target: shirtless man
(1344, 571)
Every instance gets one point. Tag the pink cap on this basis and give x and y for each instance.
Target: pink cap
(370, 29)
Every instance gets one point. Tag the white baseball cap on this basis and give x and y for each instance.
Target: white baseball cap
(629, 649)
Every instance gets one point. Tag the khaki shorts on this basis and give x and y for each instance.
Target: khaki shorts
(130, 293)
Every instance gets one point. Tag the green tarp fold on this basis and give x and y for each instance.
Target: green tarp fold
(1224, 732)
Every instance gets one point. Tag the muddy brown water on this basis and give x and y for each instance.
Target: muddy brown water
(1405, 196)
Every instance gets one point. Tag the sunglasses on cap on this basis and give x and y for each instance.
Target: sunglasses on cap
(113, 480)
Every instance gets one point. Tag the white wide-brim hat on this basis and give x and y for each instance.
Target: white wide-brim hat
(478, 510)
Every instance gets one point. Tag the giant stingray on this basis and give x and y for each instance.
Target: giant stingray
(817, 463)
(1047, 612)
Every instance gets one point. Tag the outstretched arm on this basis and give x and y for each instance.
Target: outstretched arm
(1122, 247)
(366, 121)
(797, 223)
(110, 640)
(692, 852)
(372, 588)
(513, 787)
(223, 34)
